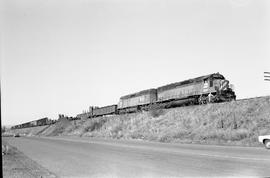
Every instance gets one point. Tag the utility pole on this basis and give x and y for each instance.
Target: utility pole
(267, 76)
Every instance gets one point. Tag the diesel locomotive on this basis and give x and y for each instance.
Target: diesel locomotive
(211, 88)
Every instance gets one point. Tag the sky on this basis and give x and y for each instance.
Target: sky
(60, 57)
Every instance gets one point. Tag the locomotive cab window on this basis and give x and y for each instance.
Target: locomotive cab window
(211, 83)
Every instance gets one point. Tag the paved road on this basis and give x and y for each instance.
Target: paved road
(82, 157)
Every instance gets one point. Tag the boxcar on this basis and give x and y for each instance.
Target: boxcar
(106, 110)
(27, 124)
(34, 123)
(43, 121)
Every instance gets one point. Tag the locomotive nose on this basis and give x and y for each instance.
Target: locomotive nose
(224, 84)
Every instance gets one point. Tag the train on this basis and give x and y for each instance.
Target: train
(212, 88)
(35, 123)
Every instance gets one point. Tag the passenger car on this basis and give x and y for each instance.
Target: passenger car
(265, 139)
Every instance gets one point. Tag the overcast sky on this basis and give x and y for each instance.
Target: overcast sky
(61, 56)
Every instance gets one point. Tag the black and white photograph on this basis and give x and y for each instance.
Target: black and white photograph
(135, 88)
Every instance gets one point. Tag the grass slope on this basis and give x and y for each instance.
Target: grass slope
(233, 123)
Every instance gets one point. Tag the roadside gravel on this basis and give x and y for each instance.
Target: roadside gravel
(17, 165)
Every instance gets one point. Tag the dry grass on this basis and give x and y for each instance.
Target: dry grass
(16, 164)
(234, 123)
(237, 123)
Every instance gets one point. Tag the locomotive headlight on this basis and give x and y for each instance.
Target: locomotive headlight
(232, 87)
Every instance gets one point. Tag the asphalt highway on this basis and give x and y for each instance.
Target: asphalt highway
(86, 157)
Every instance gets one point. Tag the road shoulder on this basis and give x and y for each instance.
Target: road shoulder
(16, 164)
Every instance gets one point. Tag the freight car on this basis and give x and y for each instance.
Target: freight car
(43, 121)
(98, 111)
(106, 110)
(82, 116)
(39, 122)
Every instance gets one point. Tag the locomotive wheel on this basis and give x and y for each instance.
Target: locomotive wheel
(202, 102)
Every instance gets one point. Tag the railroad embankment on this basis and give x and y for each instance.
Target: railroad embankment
(233, 123)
